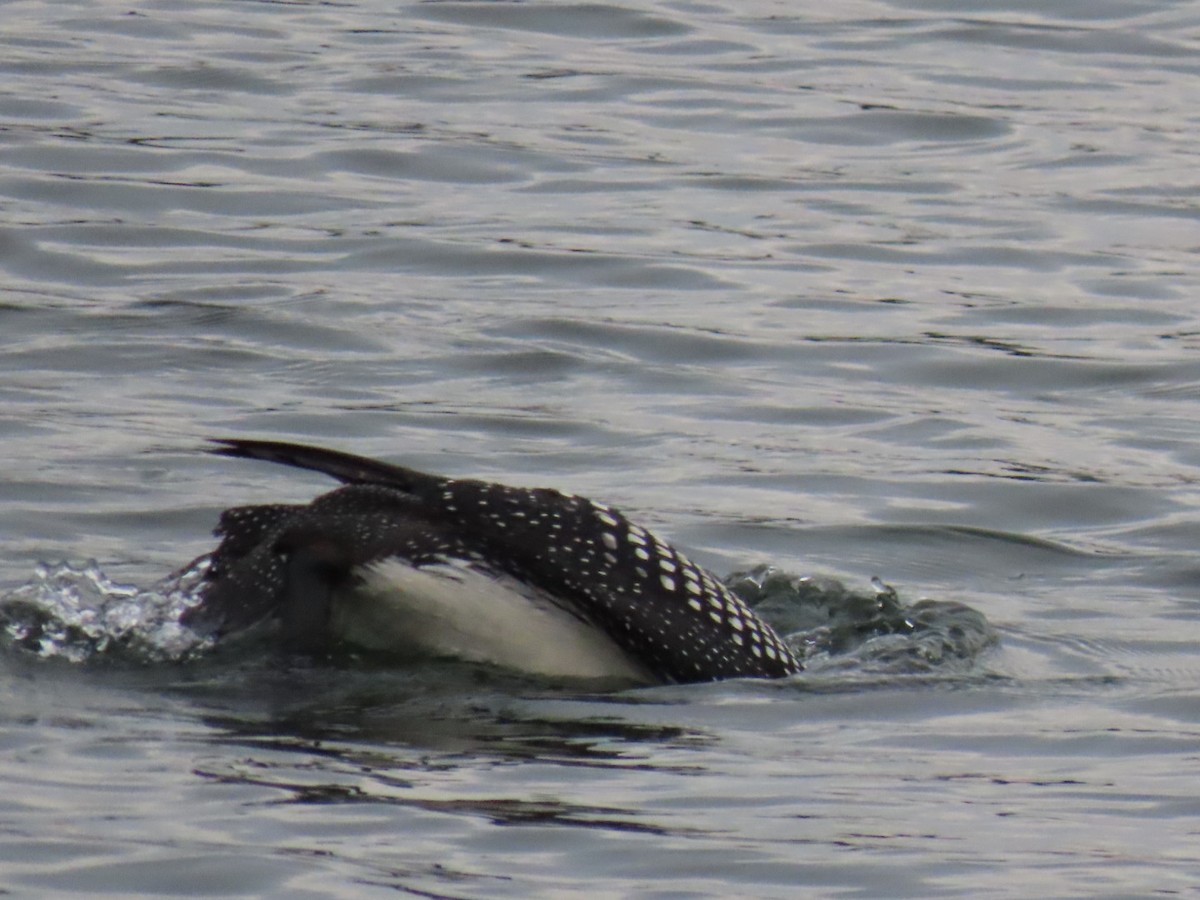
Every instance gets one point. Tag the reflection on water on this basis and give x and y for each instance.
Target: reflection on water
(403, 739)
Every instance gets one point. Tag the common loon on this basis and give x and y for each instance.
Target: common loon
(528, 579)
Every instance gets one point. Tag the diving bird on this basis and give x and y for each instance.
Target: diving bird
(420, 565)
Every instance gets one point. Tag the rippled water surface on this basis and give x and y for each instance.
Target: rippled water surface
(903, 289)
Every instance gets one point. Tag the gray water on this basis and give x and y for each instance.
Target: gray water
(902, 289)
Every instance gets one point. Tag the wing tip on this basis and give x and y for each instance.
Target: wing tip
(345, 467)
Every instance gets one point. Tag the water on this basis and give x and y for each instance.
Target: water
(889, 289)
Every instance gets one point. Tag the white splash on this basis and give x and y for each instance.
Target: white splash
(75, 612)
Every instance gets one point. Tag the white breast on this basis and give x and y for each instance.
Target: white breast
(456, 610)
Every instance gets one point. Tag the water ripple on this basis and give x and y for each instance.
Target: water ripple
(898, 288)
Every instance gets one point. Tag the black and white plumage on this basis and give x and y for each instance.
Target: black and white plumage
(531, 579)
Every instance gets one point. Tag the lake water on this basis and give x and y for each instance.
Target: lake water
(903, 289)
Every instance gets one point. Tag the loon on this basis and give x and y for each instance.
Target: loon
(527, 579)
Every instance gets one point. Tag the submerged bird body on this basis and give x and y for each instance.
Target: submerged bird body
(529, 579)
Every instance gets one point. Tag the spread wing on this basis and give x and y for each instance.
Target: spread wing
(653, 602)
